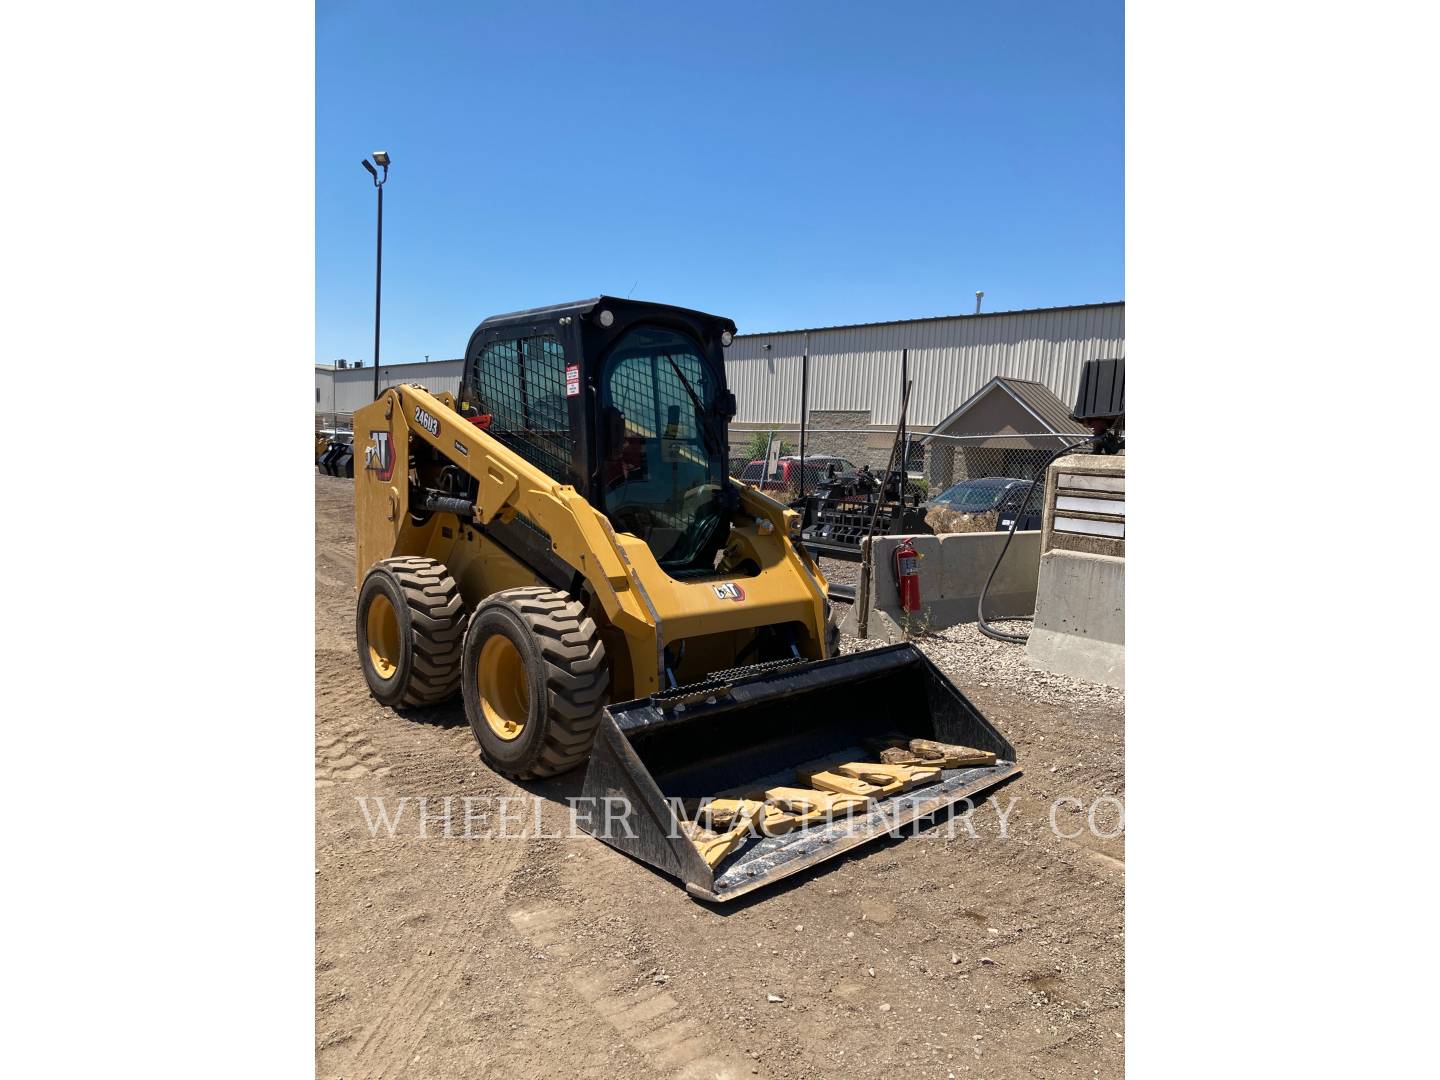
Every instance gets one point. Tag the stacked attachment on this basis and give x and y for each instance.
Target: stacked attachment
(337, 459)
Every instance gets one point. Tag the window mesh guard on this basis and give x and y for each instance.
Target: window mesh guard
(521, 384)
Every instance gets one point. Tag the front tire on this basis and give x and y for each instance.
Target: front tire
(535, 679)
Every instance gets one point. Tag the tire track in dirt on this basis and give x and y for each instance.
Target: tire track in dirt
(388, 1045)
(346, 755)
(426, 756)
(649, 1019)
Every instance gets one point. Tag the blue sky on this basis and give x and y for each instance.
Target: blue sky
(786, 164)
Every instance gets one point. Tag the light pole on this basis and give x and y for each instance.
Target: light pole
(383, 160)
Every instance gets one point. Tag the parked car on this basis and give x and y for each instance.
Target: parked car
(1002, 495)
(785, 473)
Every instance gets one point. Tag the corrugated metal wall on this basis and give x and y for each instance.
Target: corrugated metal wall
(853, 368)
(858, 367)
(348, 390)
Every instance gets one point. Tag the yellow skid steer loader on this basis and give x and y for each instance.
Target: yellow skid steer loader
(562, 545)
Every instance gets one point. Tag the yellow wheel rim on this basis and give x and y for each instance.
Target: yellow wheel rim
(382, 634)
(503, 697)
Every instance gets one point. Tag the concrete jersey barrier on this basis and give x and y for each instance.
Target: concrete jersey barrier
(953, 568)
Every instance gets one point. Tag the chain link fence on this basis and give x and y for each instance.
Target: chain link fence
(968, 483)
(940, 470)
(333, 421)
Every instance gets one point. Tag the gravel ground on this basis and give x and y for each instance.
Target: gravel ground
(840, 571)
(962, 650)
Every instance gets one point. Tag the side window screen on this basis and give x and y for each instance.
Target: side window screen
(521, 384)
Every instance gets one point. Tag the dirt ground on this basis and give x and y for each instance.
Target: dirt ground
(938, 955)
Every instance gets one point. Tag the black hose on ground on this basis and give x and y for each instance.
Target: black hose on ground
(1039, 478)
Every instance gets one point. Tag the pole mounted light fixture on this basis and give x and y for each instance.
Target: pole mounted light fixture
(382, 158)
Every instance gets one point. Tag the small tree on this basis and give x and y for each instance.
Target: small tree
(759, 446)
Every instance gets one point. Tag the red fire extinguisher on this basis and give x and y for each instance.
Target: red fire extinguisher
(907, 575)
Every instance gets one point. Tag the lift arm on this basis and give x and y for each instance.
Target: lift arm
(507, 485)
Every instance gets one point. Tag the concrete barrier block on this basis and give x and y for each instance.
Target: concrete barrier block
(1080, 618)
(953, 570)
(967, 561)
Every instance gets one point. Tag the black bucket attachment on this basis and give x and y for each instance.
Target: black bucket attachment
(656, 760)
(338, 459)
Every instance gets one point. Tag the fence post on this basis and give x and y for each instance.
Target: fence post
(862, 591)
(804, 402)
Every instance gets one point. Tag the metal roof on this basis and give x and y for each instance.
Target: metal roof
(935, 318)
(1035, 398)
(1053, 412)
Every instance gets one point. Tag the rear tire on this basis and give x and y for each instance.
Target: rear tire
(409, 629)
(535, 679)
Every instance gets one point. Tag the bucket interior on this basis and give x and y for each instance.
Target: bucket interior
(740, 736)
(754, 736)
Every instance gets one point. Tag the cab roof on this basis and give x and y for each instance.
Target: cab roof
(581, 308)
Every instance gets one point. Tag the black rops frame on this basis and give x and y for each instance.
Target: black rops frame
(586, 342)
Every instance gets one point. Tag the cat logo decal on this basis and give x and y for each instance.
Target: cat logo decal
(380, 456)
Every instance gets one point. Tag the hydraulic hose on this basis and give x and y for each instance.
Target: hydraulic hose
(985, 628)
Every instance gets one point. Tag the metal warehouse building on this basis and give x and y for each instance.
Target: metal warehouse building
(339, 391)
(854, 370)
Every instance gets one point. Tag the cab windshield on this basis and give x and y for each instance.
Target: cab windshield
(663, 457)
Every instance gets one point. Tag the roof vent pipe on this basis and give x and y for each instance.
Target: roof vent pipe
(978, 297)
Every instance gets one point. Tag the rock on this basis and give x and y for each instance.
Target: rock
(954, 958)
(885, 1007)
(799, 927)
(992, 930)
(870, 972)
(987, 961)
(774, 999)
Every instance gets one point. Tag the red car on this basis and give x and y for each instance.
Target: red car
(785, 473)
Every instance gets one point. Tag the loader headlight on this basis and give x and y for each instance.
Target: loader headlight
(726, 338)
(606, 318)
